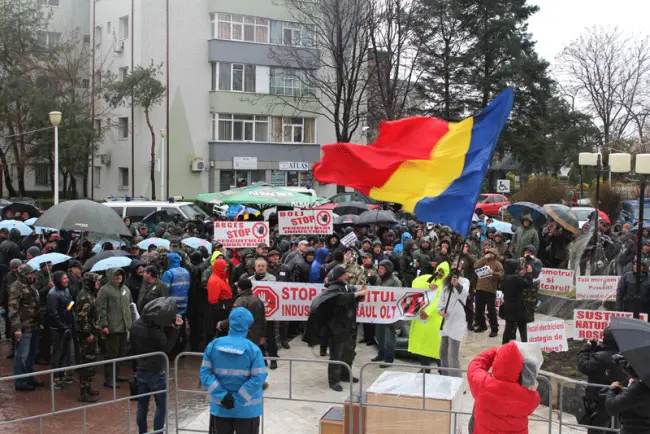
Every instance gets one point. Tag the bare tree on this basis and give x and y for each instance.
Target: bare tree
(393, 57)
(610, 71)
(328, 56)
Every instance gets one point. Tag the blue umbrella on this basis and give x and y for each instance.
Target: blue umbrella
(195, 243)
(98, 247)
(158, 242)
(519, 209)
(54, 258)
(39, 229)
(233, 210)
(15, 224)
(500, 226)
(114, 262)
(31, 221)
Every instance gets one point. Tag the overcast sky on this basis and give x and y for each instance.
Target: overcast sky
(558, 22)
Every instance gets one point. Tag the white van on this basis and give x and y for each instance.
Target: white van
(139, 209)
(302, 190)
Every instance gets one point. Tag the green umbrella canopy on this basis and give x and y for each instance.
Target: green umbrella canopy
(260, 194)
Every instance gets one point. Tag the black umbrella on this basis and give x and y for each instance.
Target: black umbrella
(633, 339)
(166, 215)
(85, 216)
(377, 217)
(103, 255)
(22, 207)
(355, 208)
(347, 220)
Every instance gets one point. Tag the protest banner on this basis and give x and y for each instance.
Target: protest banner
(550, 336)
(556, 280)
(596, 287)
(241, 234)
(349, 239)
(589, 324)
(483, 272)
(307, 222)
(285, 301)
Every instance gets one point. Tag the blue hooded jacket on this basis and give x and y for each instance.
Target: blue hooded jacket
(400, 247)
(178, 280)
(315, 275)
(233, 364)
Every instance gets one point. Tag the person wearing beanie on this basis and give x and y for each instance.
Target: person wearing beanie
(342, 325)
(75, 278)
(25, 318)
(60, 318)
(236, 394)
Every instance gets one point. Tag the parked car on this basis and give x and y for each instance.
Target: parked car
(630, 212)
(136, 210)
(582, 213)
(490, 203)
(354, 196)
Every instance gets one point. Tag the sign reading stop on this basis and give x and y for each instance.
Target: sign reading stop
(270, 299)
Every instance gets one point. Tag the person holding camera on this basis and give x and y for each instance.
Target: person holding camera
(595, 361)
(529, 269)
(631, 403)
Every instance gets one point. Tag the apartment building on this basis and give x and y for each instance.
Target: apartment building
(223, 112)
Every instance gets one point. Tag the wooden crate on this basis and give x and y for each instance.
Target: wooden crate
(332, 421)
(405, 390)
(354, 415)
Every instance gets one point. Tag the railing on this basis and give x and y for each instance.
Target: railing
(561, 397)
(84, 408)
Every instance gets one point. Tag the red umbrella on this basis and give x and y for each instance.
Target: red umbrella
(603, 216)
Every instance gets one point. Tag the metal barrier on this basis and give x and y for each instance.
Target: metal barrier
(265, 397)
(84, 408)
(423, 408)
(578, 425)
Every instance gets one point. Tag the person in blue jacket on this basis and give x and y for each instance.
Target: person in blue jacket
(233, 372)
(316, 275)
(177, 279)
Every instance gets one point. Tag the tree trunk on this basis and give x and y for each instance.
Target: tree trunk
(6, 174)
(73, 187)
(152, 173)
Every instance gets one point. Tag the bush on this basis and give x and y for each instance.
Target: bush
(610, 199)
(540, 190)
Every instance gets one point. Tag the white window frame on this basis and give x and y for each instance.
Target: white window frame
(120, 184)
(284, 75)
(254, 123)
(233, 66)
(48, 38)
(292, 126)
(97, 175)
(239, 21)
(124, 30)
(123, 133)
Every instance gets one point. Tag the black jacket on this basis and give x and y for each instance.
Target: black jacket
(58, 315)
(153, 332)
(632, 406)
(626, 294)
(344, 309)
(75, 285)
(596, 363)
(10, 248)
(255, 306)
(513, 308)
(300, 269)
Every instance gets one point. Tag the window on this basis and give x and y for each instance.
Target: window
(236, 77)
(86, 39)
(213, 77)
(124, 27)
(124, 179)
(97, 174)
(98, 127)
(42, 174)
(85, 83)
(124, 72)
(98, 35)
(240, 28)
(123, 126)
(137, 213)
(294, 130)
(49, 39)
(48, 2)
(108, 28)
(290, 82)
(240, 128)
(294, 34)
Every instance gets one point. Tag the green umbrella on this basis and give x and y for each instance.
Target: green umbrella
(260, 194)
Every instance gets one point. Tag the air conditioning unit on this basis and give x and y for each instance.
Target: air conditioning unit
(119, 46)
(105, 159)
(197, 164)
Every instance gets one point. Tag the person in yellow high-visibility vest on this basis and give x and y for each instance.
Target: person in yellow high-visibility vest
(424, 337)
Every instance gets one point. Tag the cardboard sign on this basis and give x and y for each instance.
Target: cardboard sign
(241, 234)
(550, 336)
(596, 287)
(589, 324)
(307, 222)
(349, 239)
(286, 301)
(483, 272)
(552, 279)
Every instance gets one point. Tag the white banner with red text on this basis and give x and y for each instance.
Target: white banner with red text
(286, 301)
(550, 336)
(307, 222)
(589, 324)
(556, 280)
(235, 235)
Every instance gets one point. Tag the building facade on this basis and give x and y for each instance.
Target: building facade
(226, 122)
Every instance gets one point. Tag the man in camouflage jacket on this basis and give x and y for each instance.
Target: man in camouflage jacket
(356, 272)
(25, 317)
(88, 333)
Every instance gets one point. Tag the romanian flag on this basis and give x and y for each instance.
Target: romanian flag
(431, 167)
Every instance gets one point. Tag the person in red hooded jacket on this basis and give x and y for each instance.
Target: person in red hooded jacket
(501, 403)
(219, 294)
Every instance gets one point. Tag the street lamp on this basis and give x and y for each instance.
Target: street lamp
(163, 134)
(55, 120)
(594, 160)
(642, 168)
